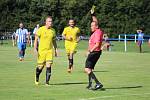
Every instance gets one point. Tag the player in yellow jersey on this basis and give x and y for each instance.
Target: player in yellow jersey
(71, 36)
(46, 35)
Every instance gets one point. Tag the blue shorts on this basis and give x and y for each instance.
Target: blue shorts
(21, 46)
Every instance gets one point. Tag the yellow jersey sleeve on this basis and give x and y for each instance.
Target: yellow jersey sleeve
(65, 31)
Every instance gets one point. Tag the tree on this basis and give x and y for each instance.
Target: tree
(115, 16)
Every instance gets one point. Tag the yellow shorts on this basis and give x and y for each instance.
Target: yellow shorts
(70, 47)
(45, 57)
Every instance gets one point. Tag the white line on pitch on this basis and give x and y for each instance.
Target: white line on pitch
(112, 96)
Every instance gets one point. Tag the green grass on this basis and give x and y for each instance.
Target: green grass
(126, 76)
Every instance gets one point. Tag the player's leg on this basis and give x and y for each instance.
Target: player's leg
(108, 46)
(88, 71)
(149, 42)
(70, 60)
(49, 61)
(91, 76)
(96, 56)
(23, 50)
(67, 48)
(72, 52)
(69, 67)
(39, 68)
(20, 50)
(98, 84)
(48, 72)
(13, 41)
(90, 63)
(140, 45)
(140, 48)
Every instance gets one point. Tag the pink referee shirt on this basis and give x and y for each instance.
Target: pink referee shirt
(96, 37)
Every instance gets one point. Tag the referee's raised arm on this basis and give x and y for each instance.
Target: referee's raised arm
(94, 19)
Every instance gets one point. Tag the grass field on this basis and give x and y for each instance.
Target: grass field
(125, 76)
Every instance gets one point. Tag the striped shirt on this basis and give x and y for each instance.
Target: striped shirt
(22, 35)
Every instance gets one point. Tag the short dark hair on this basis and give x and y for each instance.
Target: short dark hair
(73, 20)
(140, 28)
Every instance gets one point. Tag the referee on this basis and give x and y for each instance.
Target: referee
(94, 52)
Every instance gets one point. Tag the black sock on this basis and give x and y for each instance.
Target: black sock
(90, 80)
(38, 71)
(94, 77)
(48, 74)
(23, 53)
(70, 63)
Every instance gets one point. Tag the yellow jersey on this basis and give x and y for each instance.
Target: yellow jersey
(71, 32)
(46, 37)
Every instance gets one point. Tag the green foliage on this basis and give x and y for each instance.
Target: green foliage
(115, 16)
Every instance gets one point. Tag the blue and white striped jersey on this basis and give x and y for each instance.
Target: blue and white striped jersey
(22, 35)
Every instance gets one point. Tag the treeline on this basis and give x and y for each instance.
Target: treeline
(115, 16)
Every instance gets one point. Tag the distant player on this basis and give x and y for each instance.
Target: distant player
(36, 28)
(140, 39)
(22, 36)
(14, 39)
(106, 44)
(149, 42)
(71, 36)
(95, 51)
(35, 32)
(47, 36)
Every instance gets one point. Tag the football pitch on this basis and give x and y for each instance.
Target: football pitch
(125, 75)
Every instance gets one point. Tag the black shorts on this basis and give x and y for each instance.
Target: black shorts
(92, 59)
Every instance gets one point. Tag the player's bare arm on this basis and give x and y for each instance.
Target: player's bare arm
(67, 38)
(35, 44)
(78, 37)
(55, 47)
(94, 19)
(28, 38)
(16, 38)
